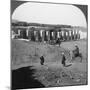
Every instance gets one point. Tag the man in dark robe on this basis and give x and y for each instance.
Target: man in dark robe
(42, 60)
(63, 60)
(76, 51)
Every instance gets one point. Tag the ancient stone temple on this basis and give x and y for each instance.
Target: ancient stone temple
(45, 35)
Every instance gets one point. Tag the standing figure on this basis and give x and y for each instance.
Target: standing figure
(76, 51)
(42, 60)
(58, 41)
(63, 59)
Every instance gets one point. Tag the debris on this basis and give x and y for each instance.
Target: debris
(77, 80)
(58, 81)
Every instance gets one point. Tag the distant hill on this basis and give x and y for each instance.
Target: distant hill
(22, 23)
(17, 23)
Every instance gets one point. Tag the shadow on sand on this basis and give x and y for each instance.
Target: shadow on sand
(68, 65)
(23, 79)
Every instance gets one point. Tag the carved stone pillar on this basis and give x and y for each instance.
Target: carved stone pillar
(48, 35)
(62, 34)
(78, 35)
(58, 34)
(19, 32)
(27, 33)
(42, 35)
(70, 36)
(66, 35)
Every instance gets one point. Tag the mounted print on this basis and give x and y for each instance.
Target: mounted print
(48, 44)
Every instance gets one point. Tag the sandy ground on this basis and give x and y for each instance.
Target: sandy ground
(52, 73)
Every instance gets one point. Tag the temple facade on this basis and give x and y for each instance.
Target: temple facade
(46, 35)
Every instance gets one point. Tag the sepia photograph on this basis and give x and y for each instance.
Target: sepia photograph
(49, 44)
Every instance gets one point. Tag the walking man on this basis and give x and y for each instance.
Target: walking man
(76, 51)
(63, 60)
(42, 60)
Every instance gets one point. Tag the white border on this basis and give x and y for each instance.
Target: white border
(5, 44)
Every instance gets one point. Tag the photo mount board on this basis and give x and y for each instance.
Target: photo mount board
(48, 44)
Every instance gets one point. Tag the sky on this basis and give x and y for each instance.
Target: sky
(50, 14)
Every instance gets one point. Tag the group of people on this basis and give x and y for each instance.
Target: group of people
(75, 52)
(63, 61)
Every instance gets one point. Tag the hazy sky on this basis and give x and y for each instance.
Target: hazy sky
(50, 14)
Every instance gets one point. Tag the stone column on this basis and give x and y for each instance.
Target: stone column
(55, 35)
(78, 35)
(45, 36)
(62, 34)
(35, 35)
(58, 34)
(66, 35)
(52, 35)
(43, 33)
(73, 34)
(19, 32)
(70, 36)
(65, 38)
(27, 32)
(48, 35)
